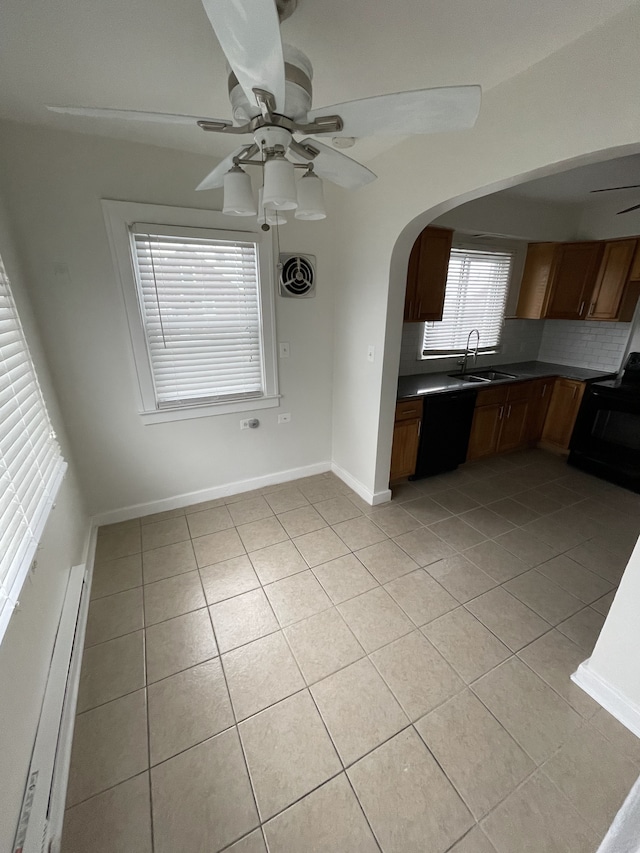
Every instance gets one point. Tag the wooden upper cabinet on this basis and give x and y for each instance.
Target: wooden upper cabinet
(611, 280)
(427, 275)
(634, 272)
(574, 280)
(536, 280)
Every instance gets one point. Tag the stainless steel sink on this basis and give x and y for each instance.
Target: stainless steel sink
(491, 375)
(482, 376)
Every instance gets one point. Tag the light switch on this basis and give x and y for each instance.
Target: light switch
(284, 350)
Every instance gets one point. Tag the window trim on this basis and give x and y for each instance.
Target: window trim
(500, 246)
(119, 218)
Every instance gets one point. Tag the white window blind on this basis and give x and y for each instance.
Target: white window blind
(31, 467)
(475, 298)
(200, 304)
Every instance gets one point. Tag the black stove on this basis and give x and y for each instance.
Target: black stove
(606, 437)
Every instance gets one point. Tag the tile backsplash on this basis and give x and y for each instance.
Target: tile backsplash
(520, 342)
(597, 345)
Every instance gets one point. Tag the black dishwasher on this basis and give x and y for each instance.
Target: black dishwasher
(444, 435)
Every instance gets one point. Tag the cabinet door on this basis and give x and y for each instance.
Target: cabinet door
(536, 280)
(573, 281)
(612, 277)
(405, 449)
(427, 275)
(513, 433)
(539, 405)
(561, 416)
(485, 431)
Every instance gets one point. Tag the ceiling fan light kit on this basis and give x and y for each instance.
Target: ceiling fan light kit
(238, 195)
(271, 93)
(310, 197)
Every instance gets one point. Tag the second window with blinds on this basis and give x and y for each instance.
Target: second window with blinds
(475, 298)
(200, 308)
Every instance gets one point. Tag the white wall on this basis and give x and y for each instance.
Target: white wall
(615, 656)
(27, 646)
(578, 101)
(55, 182)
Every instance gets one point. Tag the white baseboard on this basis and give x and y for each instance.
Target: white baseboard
(605, 694)
(41, 817)
(372, 498)
(236, 488)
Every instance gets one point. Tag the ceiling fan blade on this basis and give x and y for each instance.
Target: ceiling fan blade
(421, 111)
(336, 167)
(216, 178)
(629, 209)
(611, 189)
(249, 35)
(134, 115)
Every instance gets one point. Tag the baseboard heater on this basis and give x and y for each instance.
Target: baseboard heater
(40, 824)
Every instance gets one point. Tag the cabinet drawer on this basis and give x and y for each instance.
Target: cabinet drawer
(409, 409)
(520, 391)
(488, 396)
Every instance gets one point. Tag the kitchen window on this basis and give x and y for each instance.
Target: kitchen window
(31, 467)
(475, 298)
(199, 302)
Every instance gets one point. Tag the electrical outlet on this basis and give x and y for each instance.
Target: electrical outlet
(244, 424)
(285, 418)
(284, 350)
(371, 353)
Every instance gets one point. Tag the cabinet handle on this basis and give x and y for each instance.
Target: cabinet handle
(575, 388)
(501, 413)
(581, 309)
(591, 307)
(544, 390)
(419, 428)
(509, 411)
(419, 308)
(410, 412)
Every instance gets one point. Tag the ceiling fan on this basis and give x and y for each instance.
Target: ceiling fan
(612, 189)
(270, 92)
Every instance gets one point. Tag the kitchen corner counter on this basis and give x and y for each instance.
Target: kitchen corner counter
(422, 384)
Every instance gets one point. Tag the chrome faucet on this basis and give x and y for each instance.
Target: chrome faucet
(469, 352)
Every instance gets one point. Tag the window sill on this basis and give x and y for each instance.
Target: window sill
(210, 410)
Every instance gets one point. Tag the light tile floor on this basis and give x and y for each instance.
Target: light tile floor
(293, 670)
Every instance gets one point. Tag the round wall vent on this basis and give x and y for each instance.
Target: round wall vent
(297, 275)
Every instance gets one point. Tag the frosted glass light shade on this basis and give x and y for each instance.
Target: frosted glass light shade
(238, 195)
(279, 191)
(310, 198)
(268, 215)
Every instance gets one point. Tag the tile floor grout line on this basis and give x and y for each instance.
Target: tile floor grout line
(233, 712)
(146, 709)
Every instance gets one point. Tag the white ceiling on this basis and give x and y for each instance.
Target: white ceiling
(162, 55)
(575, 185)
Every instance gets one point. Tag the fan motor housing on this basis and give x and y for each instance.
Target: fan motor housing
(297, 276)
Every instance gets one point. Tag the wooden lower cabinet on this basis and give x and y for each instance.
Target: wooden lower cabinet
(561, 416)
(542, 390)
(514, 426)
(406, 437)
(485, 431)
(502, 419)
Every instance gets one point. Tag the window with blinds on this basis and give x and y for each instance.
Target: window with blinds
(475, 298)
(31, 467)
(200, 305)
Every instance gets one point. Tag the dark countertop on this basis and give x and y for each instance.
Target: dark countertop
(421, 384)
